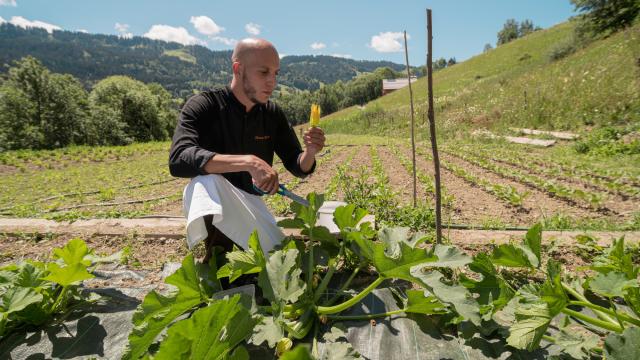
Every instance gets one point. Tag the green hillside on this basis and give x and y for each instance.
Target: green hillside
(517, 84)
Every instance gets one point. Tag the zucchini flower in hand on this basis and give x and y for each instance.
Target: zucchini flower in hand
(314, 119)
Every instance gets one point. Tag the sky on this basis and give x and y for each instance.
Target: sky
(356, 29)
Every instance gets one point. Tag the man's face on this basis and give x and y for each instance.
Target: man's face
(258, 75)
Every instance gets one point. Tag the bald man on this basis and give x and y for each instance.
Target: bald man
(225, 140)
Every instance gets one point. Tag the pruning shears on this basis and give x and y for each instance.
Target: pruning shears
(285, 192)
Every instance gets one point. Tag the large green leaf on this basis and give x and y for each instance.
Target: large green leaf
(17, 298)
(577, 341)
(456, 295)
(420, 303)
(284, 275)
(398, 261)
(30, 275)
(552, 292)
(346, 217)
(615, 258)
(239, 263)
(73, 252)
(492, 289)
(450, 257)
(625, 346)
(532, 321)
(267, 330)
(157, 311)
(611, 284)
(211, 332)
(336, 346)
(67, 275)
(533, 240)
(513, 256)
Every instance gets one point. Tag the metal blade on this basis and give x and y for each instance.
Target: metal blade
(299, 199)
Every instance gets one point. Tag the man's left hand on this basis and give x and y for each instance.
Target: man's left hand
(313, 140)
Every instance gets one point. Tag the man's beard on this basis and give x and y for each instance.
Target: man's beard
(250, 91)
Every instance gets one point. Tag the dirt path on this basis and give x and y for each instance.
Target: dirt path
(400, 179)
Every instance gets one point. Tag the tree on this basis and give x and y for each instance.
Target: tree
(39, 109)
(452, 61)
(509, 32)
(133, 104)
(607, 15)
(487, 47)
(526, 28)
(441, 63)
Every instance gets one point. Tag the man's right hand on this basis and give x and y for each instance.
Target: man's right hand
(264, 176)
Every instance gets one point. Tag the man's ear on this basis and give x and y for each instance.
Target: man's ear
(236, 68)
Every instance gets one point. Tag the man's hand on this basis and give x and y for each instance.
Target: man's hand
(264, 177)
(313, 140)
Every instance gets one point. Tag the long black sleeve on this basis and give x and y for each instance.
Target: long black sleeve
(187, 157)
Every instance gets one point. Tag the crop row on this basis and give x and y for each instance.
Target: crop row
(573, 196)
(425, 179)
(555, 170)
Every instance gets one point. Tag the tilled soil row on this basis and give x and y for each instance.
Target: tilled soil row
(620, 204)
(538, 204)
(471, 203)
(401, 180)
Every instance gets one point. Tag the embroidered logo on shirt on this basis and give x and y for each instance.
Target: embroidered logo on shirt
(265, 137)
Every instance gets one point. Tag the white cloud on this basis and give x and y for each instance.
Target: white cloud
(123, 31)
(252, 29)
(224, 40)
(282, 55)
(346, 56)
(8, 3)
(170, 33)
(387, 42)
(318, 46)
(82, 31)
(205, 25)
(2, 20)
(24, 23)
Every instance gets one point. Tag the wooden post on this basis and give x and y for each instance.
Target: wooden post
(413, 141)
(432, 130)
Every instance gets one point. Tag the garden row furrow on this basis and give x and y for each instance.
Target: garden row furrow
(574, 197)
(552, 169)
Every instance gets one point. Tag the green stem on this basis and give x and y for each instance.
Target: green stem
(311, 265)
(365, 317)
(621, 315)
(59, 299)
(616, 314)
(582, 298)
(596, 322)
(325, 310)
(549, 339)
(327, 277)
(344, 286)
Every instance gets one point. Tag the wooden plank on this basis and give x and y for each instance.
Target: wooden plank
(527, 141)
(557, 134)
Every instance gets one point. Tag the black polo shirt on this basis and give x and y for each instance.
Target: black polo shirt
(216, 121)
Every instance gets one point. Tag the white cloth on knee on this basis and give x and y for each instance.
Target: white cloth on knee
(236, 213)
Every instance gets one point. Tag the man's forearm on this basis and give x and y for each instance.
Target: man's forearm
(221, 163)
(306, 161)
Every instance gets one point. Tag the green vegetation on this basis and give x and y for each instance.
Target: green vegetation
(39, 109)
(489, 295)
(34, 293)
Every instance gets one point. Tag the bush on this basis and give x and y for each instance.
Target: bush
(610, 141)
(562, 49)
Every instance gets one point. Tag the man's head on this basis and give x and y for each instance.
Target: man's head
(255, 66)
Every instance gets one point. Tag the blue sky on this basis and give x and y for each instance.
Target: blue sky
(358, 29)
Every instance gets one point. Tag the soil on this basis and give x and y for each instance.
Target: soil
(624, 206)
(400, 179)
(538, 204)
(471, 204)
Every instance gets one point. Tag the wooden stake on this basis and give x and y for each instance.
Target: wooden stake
(413, 141)
(432, 130)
